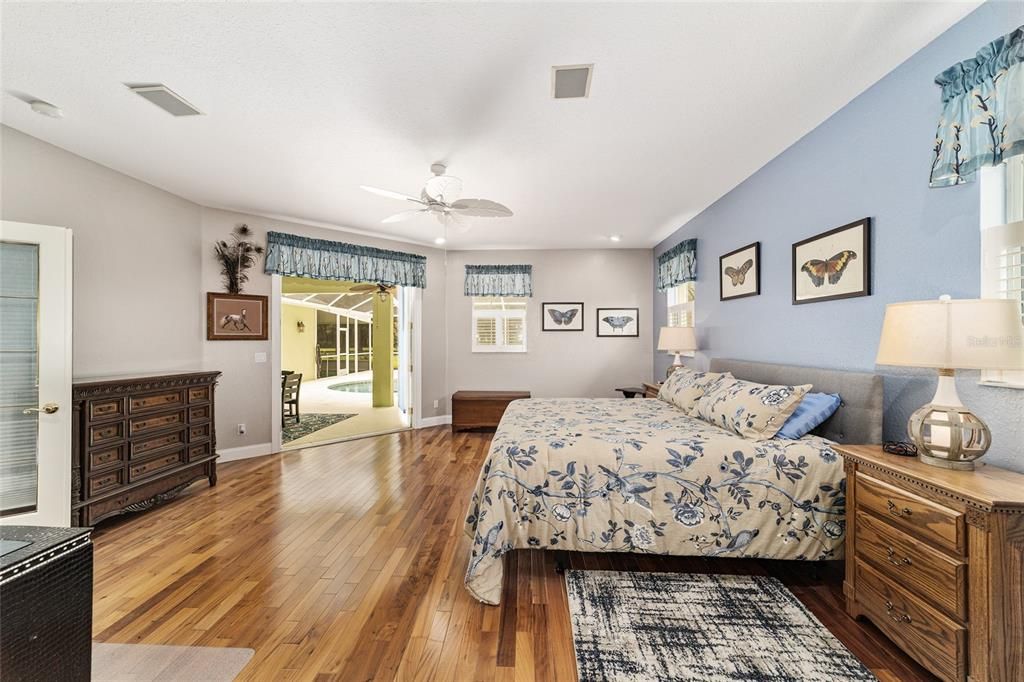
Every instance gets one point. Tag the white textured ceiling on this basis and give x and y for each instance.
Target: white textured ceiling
(305, 102)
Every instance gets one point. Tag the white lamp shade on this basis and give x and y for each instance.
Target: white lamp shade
(953, 334)
(677, 339)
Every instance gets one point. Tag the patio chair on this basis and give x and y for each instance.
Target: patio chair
(290, 384)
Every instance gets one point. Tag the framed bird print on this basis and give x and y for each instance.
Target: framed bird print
(562, 317)
(739, 273)
(834, 264)
(618, 322)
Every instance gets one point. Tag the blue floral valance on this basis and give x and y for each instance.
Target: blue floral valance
(499, 280)
(295, 256)
(982, 120)
(678, 265)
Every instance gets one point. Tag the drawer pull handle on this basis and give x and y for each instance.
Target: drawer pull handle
(905, 561)
(903, 618)
(896, 511)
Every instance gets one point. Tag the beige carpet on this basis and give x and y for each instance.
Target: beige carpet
(150, 663)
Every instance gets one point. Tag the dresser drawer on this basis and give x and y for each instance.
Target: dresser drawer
(198, 413)
(100, 434)
(935, 641)
(102, 458)
(199, 394)
(142, 425)
(199, 432)
(156, 464)
(936, 577)
(143, 446)
(198, 451)
(922, 518)
(106, 408)
(155, 401)
(102, 482)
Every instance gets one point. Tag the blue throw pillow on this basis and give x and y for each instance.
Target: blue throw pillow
(812, 411)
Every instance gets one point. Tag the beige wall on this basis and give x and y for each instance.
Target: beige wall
(298, 349)
(558, 364)
(143, 264)
(136, 256)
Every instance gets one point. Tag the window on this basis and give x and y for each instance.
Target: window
(1002, 246)
(680, 300)
(499, 324)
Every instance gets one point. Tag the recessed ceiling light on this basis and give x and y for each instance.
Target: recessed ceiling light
(46, 109)
(439, 241)
(616, 238)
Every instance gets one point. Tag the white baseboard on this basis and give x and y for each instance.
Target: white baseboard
(439, 420)
(245, 452)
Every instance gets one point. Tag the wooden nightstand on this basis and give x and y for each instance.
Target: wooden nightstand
(651, 390)
(935, 558)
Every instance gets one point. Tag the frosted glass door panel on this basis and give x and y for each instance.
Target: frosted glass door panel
(19, 377)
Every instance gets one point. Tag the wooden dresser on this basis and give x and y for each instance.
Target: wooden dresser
(139, 440)
(935, 558)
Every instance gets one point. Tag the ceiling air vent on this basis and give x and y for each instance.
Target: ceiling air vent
(165, 98)
(571, 81)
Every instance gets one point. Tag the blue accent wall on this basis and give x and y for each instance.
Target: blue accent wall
(871, 158)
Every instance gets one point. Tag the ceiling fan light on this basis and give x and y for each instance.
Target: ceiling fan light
(440, 240)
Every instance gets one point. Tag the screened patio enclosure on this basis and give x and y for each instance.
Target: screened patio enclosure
(342, 342)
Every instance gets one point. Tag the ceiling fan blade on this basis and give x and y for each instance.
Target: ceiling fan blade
(481, 208)
(389, 194)
(446, 188)
(405, 215)
(363, 288)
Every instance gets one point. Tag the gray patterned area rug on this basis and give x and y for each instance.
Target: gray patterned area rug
(152, 663)
(309, 423)
(671, 626)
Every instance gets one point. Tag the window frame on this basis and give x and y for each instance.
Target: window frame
(517, 310)
(680, 308)
(1002, 211)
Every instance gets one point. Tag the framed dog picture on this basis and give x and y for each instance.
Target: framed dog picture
(739, 273)
(834, 264)
(561, 317)
(618, 322)
(236, 317)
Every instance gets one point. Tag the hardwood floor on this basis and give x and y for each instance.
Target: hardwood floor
(345, 562)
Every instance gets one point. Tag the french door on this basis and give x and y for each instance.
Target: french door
(35, 374)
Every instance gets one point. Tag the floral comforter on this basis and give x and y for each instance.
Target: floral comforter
(642, 476)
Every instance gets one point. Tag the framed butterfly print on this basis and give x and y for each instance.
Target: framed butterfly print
(739, 272)
(618, 322)
(834, 264)
(561, 317)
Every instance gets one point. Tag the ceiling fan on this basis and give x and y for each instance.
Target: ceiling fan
(381, 289)
(440, 198)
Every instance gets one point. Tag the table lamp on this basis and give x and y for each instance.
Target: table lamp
(948, 335)
(677, 340)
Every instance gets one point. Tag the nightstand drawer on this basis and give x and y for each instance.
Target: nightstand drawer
(936, 641)
(921, 518)
(936, 577)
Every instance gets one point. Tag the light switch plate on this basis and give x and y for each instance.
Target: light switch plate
(260, 357)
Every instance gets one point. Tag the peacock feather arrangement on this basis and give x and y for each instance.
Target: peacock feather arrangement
(236, 257)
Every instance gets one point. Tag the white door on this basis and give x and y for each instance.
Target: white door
(404, 350)
(35, 375)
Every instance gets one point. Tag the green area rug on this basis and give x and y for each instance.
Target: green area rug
(309, 423)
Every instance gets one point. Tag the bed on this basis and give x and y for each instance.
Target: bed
(615, 475)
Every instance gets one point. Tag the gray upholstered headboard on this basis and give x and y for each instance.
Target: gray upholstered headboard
(859, 417)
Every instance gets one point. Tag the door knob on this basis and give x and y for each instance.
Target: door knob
(48, 408)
